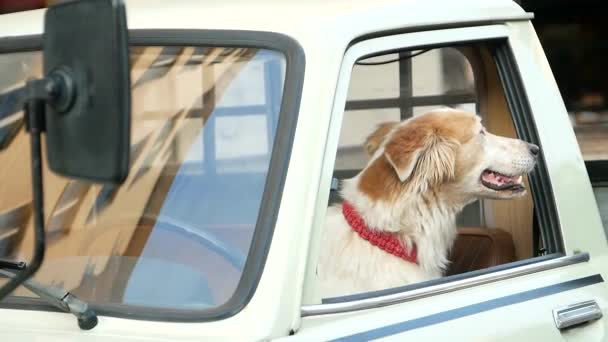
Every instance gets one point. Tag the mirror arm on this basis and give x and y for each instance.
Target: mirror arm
(37, 93)
(34, 112)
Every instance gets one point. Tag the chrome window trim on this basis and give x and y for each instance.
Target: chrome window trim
(406, 296)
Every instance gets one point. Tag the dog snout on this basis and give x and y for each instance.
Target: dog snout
(534, 149)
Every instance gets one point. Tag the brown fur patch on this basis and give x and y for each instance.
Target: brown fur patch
(404, 144)
(424, 146)
(449, 124)
(375, 139)
(379, 180)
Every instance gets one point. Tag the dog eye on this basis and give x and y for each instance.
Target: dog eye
(482, 132)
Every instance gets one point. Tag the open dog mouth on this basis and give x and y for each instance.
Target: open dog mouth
(499, 182)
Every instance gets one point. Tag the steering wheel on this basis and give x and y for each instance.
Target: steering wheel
(230, 253)
(234, 256)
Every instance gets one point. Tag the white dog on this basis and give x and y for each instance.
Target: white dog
(397, 222)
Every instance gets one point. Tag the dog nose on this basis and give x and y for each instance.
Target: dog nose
(533, 149)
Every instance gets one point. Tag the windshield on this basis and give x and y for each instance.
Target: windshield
(177, 233)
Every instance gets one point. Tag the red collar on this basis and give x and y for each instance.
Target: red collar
(385, 241)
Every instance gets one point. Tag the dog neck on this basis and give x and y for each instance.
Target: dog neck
(426, 220)
(388, 242)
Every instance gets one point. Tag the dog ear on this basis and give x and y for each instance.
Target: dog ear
(418, 153)
(376, 138)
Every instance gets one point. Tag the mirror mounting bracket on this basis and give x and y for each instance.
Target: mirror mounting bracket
(57, 90)
(36, 94)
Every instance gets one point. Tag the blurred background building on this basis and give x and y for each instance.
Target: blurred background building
(574, 35)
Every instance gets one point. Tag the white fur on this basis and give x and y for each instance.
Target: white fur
(351, 264)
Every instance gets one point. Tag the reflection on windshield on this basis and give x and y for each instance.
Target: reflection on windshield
(177, 232)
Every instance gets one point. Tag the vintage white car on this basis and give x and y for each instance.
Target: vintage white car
(246, 116)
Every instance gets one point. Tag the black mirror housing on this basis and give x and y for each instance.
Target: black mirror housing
(88, 131)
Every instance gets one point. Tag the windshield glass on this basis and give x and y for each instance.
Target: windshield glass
(177, 233)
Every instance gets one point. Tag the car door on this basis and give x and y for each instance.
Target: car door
(554, 280)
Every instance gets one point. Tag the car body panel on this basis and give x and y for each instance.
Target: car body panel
(574, 197)
(531, 319)
(325, 30)
(533, 316)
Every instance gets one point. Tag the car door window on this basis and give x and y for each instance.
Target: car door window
(399, 85)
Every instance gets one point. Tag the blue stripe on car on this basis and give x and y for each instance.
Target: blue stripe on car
(473, 309)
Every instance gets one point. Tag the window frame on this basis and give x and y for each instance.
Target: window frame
(547, 223)
(406, 101)
(545, 206)
(288, 113)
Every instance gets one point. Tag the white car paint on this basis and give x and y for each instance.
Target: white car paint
(325, 29)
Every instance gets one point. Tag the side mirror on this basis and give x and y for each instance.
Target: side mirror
(88, 127)
(83, 103)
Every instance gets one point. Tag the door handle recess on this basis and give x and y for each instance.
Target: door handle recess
(574, 314)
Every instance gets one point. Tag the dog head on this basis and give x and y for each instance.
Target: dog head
(446, 150)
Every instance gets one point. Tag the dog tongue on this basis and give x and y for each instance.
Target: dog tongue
(499, 179)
